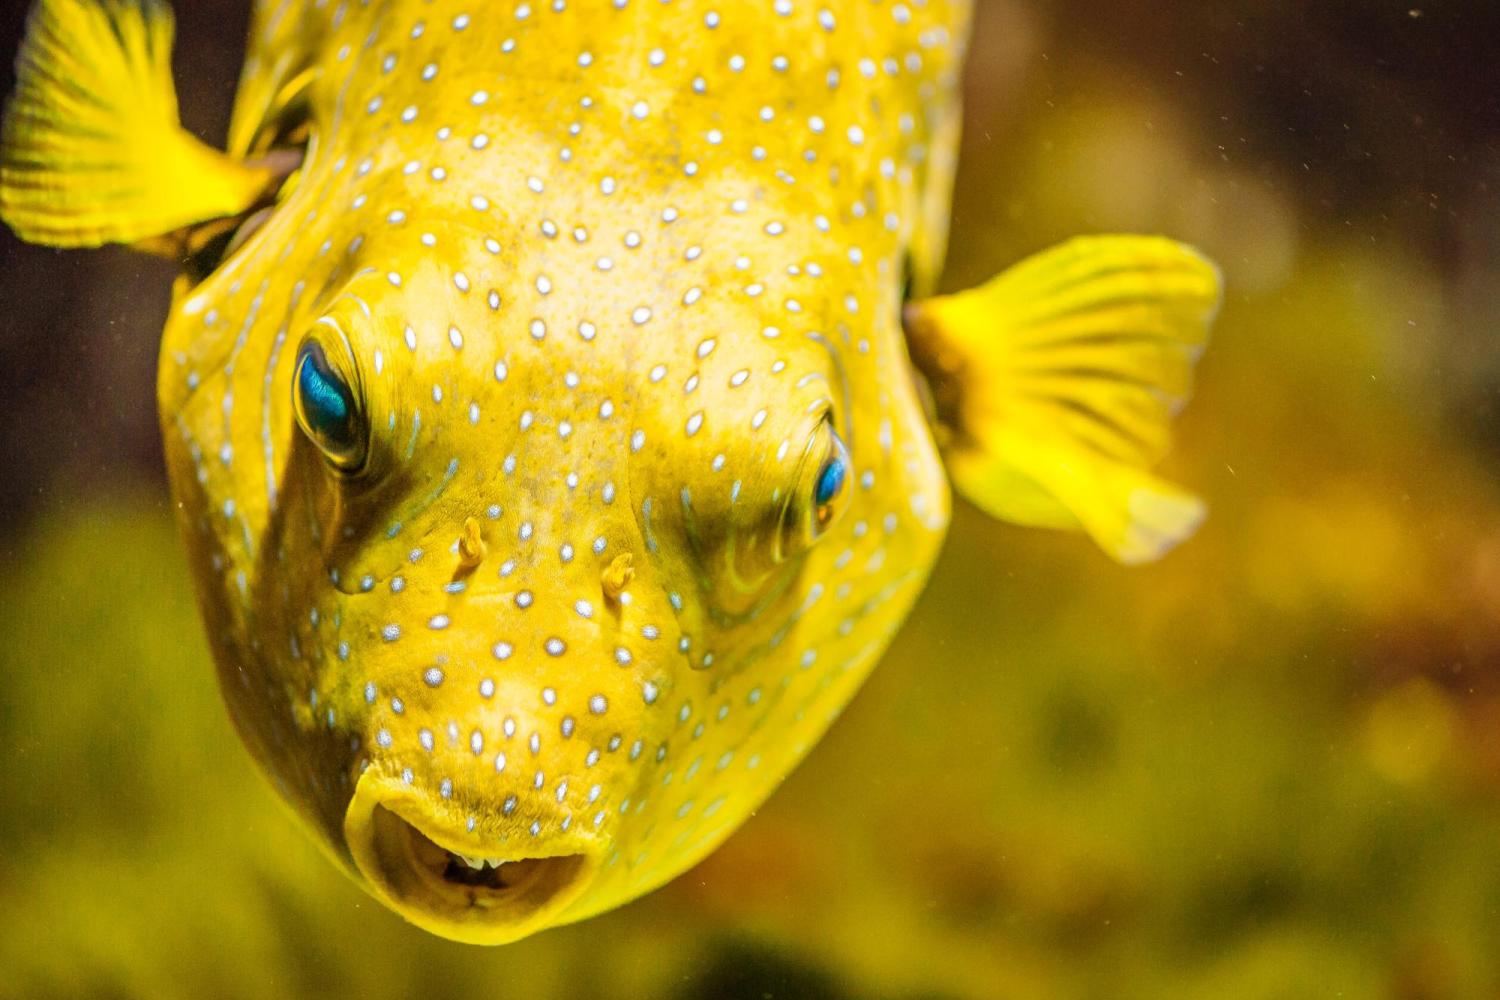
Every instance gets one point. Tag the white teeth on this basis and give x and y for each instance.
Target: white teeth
(480, 863)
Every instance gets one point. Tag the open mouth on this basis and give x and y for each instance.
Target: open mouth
(437, 884)
(487, 873)
(486, 882)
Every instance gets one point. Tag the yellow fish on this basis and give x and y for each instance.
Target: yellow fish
(543, 400)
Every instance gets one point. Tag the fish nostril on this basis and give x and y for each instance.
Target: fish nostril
(617, 576)
(471, 547)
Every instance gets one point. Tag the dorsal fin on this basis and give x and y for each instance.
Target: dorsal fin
(1057, 381)
(91, 150)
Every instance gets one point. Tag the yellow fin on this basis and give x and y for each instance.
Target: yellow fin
(91, 151)
(1057, 381)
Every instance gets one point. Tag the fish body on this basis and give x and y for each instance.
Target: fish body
(546, 440)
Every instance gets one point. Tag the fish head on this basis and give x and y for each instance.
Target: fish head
(530, 578)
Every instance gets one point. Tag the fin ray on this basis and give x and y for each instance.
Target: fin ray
(1064, 373)
(91, 150)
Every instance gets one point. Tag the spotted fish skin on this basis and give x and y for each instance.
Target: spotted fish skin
(538, 406)
(604, 275)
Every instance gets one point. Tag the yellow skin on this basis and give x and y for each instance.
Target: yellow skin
(535, 395)
(545, 438)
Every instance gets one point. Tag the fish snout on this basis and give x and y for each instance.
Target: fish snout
(427, 864)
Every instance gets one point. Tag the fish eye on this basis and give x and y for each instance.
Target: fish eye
(328, 410)
(831, 485)
(821, 492)
(760, 550)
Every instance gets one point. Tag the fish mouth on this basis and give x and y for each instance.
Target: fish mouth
(453, 885)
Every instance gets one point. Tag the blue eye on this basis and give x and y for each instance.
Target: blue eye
(830, 480)
(327, 410)
(831, 484)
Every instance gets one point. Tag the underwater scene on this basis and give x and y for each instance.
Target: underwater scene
(1233, 733)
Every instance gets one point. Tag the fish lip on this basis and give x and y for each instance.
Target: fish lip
(392, 835)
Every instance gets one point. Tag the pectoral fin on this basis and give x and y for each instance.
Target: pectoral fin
(1056, 383)
(91, 151)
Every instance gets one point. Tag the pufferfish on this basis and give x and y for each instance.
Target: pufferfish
(557, 410)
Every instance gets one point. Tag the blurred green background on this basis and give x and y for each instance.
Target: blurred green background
(1268, 767)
